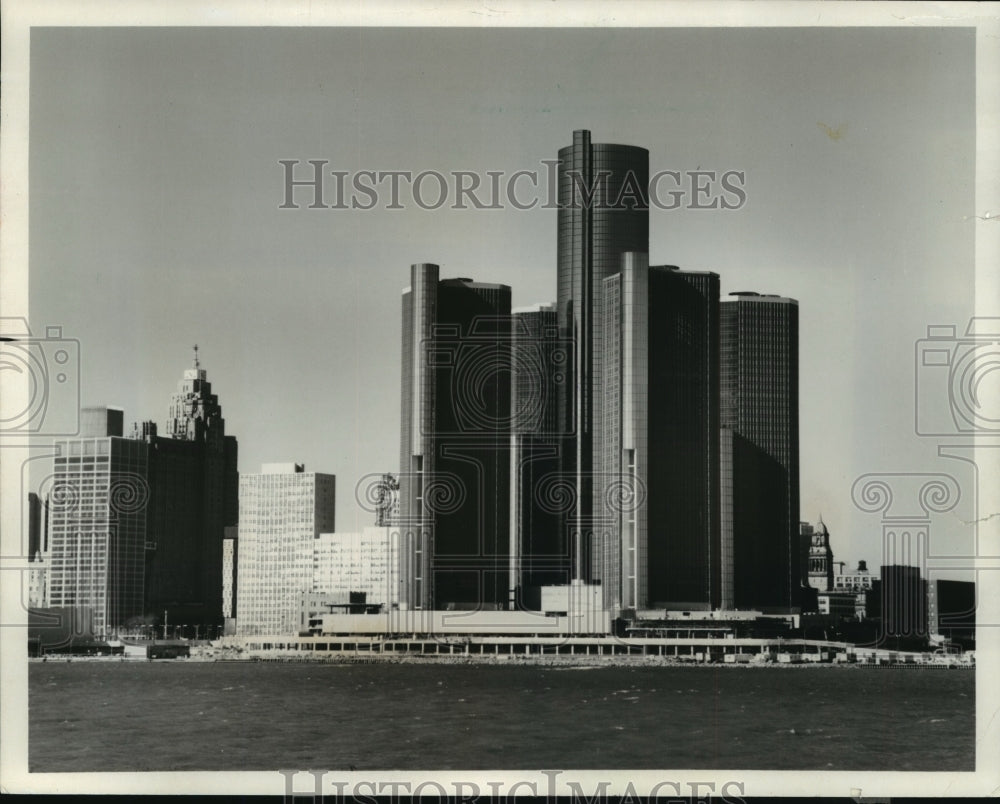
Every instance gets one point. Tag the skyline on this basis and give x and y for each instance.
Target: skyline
(823, 222)
(153, 188)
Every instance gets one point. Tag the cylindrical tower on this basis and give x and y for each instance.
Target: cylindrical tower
(603, 213)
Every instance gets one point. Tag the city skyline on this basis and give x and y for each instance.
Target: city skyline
(144, 188)
(820, 223)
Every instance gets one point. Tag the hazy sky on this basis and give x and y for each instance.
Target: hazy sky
(155, 188)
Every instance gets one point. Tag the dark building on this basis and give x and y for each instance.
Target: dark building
(759, 412)
(659, 438)
(603, 213)
(903, 599)
(540, 362)
(951, 609)
(194, 496)
(455, 443)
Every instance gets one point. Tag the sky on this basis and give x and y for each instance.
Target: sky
(155, 219)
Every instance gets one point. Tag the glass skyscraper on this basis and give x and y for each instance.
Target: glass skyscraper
(97, 514)
(454, 483)
(603, 213)
(759, 409)
(659, 445)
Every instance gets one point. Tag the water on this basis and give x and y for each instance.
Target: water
(122, 716)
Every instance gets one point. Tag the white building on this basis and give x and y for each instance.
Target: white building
(283, 510)
(359, 562)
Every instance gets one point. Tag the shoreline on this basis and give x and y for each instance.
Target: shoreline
(562, 663)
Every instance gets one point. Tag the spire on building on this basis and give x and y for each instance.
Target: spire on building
(194, 409)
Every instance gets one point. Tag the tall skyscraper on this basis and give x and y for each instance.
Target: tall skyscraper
(455, 443)
(98, 523)
(193, 481)
(658, 445)
(283, 511)
(759, 442)
(603, 213)
(540, 361)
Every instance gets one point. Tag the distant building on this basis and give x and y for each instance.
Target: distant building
(951, 609)
(193, 483)
(820, 556)
(102, 419)
(903, 602)
(282, 512)
(365, 562)
(454, 502)
(759, 412)
(97, 518)
(861, 584)
(839, 604)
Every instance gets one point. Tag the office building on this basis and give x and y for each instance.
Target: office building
(364, 562)
(454, 489)
(658, 439)
(540, 361)
(903, 602)
(861, 584)
(193, 481)
(97, 517)
(603, 213)
(759, 443)
(282, 511)
(951, 609)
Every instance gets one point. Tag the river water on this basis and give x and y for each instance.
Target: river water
(177, 715)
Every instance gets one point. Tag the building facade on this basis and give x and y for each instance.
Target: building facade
(903, 602)
(193, 481)
(454, 484)
(98, 524)
(282, 511)
(659, 432)
(540, 362)
(819, 573)
(362, 562)
(951, 609)
(861, 584)
(759, 413)
(603, 213)
(230, 562)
